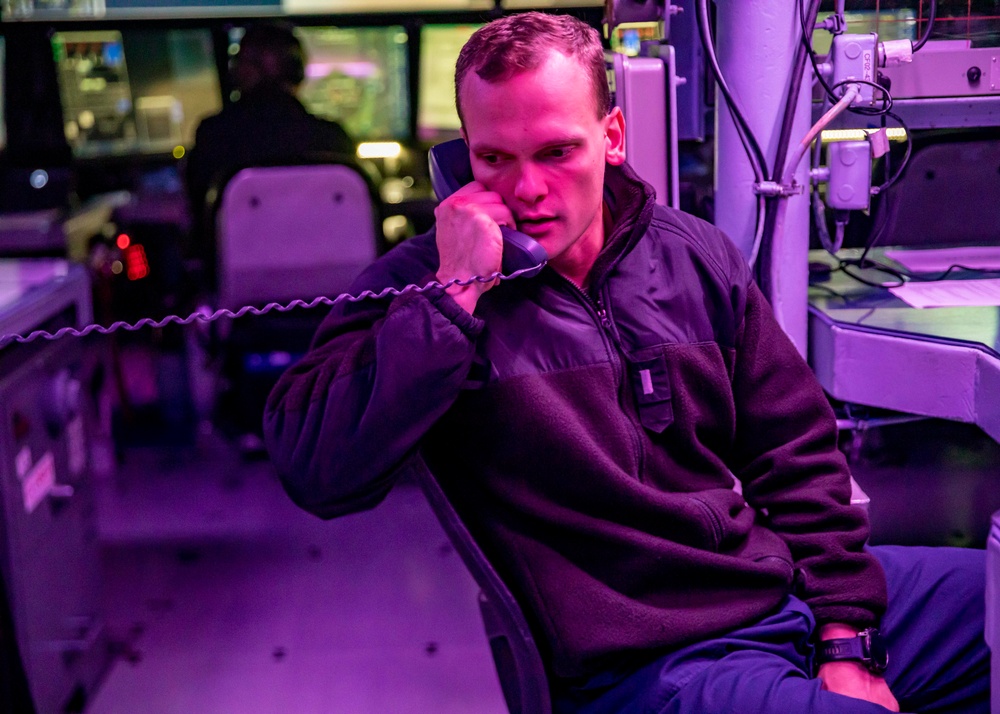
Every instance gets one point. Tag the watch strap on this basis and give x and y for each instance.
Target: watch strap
(837, 649)
(867, 647)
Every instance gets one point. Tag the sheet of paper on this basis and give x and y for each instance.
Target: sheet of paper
(950, 293)
(936, 260)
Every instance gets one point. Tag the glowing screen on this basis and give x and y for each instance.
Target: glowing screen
(439, 47)
(358, 77)
(134, 91)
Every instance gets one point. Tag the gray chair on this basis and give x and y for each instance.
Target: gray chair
(281, 233)
(301, 231)
(518, 663)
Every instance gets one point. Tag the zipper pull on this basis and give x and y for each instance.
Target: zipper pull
(603, 314)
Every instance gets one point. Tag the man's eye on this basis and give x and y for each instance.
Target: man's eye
(491, 159)
(560, 153)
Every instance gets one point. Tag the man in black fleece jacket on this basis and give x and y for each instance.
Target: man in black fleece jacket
(629, 435)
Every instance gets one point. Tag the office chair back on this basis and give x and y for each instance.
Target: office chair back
(285, 232)
(519, 666)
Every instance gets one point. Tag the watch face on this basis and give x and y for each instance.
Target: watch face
(878, 655)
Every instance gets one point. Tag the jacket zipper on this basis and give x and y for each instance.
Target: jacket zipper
(625, 391)
(616, 353)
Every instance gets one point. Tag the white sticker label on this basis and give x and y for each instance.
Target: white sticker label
(76, 445)
(22, 462)
(39, 482)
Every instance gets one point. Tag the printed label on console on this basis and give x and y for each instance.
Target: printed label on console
(39, 482)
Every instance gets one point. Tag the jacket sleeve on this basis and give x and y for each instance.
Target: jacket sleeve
(340, 421)
(792, 472)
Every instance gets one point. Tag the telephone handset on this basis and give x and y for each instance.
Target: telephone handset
(450, 169)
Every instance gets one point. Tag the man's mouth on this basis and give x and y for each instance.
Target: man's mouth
(527, 223)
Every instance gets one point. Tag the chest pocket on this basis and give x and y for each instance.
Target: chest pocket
(651, 387)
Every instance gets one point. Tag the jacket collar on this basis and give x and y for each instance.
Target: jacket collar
(630, 201)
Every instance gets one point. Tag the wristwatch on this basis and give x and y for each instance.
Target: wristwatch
(868, 648)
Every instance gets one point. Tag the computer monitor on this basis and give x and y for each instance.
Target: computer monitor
(57, 10)
(359, 77)
(437, 119)
(54, 10)
(135, 90)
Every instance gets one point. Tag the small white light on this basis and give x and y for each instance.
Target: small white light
(39, 178)
(379, 150)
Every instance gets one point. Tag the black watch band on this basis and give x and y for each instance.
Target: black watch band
(867, 647)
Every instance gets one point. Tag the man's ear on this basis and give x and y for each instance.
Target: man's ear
(614, 137)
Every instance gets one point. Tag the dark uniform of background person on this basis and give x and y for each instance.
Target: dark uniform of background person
(266, 125)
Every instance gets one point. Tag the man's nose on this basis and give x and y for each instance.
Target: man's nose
(530, 187)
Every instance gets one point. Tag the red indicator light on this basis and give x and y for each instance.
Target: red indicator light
(123, 241)
(136, 264)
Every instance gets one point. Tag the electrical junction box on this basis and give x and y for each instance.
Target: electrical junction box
(850, 164)
(856, 57)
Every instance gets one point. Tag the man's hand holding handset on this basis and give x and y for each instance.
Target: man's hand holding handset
(469, 241)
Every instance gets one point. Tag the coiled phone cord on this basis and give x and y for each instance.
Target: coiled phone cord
(201, 316)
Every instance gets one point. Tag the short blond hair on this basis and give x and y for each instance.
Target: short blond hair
(519, 43)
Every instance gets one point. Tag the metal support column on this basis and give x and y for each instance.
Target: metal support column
(756, 44)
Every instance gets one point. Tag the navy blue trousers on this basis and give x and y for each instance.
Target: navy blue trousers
(938, 659)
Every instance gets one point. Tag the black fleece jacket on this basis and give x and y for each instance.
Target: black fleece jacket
(592, 439)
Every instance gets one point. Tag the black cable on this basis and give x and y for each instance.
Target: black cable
(906, 154)
(757, 160)
(923, 277)
(846, 266)
(932, 15)
(794, 87)
(763, 266)
(807, 43)
(887, 214)
(902, 275)
(870, 111)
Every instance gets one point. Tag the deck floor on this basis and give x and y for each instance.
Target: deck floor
(234, 600)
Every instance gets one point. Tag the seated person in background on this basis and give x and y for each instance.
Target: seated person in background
(590, 425)
(268, 123)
